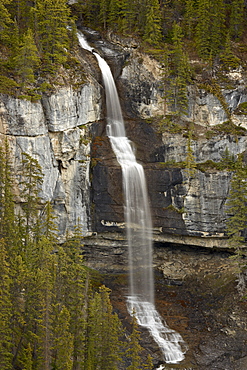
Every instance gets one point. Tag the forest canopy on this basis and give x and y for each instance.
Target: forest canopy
(36, 37)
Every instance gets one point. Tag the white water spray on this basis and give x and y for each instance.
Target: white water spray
(138, 224)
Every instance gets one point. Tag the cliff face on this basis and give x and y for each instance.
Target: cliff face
(65, 131)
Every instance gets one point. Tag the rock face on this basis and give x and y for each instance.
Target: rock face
(56, 131)
(64, 131)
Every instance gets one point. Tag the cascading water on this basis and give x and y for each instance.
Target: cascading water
(138, 224)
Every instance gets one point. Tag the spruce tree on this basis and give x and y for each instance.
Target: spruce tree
(134, 348)
(237, 204)
(103, 13)
(27, 59)
(71, 291)
(104, 331)
(52, 20)
(63, 340)
(30, 183)
(178, 75)
(5, 21)
(236, 223)
(5, 311)
(114, 15)
(189, 18)
(152, 32)
(7, 225)
(203, 31)
(190, 159)
(237, 19)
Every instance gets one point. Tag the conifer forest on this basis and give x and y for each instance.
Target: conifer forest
(55, 314)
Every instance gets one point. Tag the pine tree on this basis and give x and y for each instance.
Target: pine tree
(27, 59)
(189, 18)
(114, 15)
(203, 32)
(134, 348)
(31, 180)
(71, 291)
(52, 20)
(20, 10)
(228, 60)
(178, 75)
(237, 204)
(152, 32)
(5, 21)
(236, 223)
(103, 13)
(27, 361)
(104, 330)
(5, 311)
(7, 227)
(190, 159)
(217, 27)
(63, 340)
(237, 19)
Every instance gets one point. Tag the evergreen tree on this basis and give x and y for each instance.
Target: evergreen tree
(27, 361)
(217, 27)
(152, 32)
(63, 340)
(103, 13)
(178, 75)
(20, 10)
(236, 223)
(114, 15)
(5, 311)
(228, 60)
(7, 227)
(189, 18)
(31, 180)
(5, 21)
(190, 159)
(210, 28)
(104, 330)
(203, 31)
(27, 59)
(237, 19)
(134, 347)
(71, 291)
(237, 204)
(52, 20)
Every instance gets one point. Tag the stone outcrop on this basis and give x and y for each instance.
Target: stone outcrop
(56, 131)
(65, 131)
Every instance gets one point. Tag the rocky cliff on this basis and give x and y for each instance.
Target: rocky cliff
(65, 132)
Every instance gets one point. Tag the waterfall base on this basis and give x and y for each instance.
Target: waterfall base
(170, 342)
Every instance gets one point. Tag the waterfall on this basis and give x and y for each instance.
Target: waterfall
(138, 221)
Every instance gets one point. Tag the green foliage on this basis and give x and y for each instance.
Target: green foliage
(177, 74)
(52, 21)
(241, 109)
(190, 159)
(134, 350)
(213, 88)
(27, 59)
(5, 310)
(227, 58)
(236, 223)
(210, 28)
(104, 333)
(152, 30)
(237, 204)
(5, 21)
(237, 19)
(30, 182)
